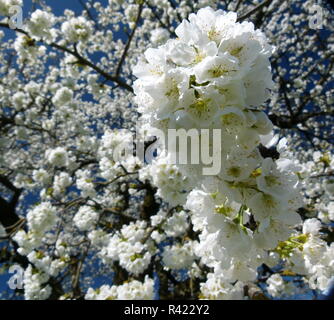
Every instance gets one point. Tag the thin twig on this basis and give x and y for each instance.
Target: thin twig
(127, 46)
(251, 12)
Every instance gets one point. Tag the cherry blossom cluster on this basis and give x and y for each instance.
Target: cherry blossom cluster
(216, 74)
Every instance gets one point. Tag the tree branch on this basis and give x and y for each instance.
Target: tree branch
(81, 60)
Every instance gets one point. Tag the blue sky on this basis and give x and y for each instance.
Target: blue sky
(58, 7)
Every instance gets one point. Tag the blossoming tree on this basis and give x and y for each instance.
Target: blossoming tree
(86, 216)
